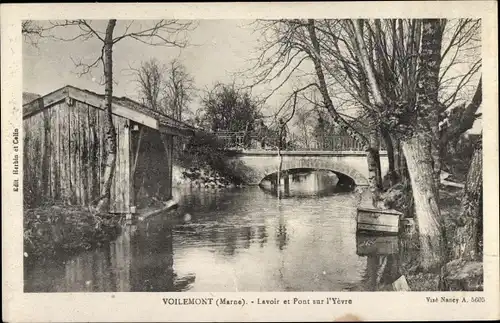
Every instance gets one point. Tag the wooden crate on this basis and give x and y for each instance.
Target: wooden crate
(367, 245)
(377, 220)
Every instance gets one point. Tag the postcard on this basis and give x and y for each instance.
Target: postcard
(322, 161)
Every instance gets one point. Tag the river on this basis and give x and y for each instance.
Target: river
(226, 240)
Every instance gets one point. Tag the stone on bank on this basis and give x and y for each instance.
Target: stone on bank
(201, 178)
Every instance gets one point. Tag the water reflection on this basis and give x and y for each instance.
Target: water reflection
(140, 259)
(382, 260)
(307, 182)
(281, 233)
(232, 240)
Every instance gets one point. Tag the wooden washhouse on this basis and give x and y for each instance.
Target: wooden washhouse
(378, 220)
(64, 153)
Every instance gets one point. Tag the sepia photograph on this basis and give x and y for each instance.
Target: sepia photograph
(230, 164)
(310, 155)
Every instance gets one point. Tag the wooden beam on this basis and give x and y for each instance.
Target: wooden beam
(137, 151)
(117, 109)
(169, 130)
(135, 116)
(96, 101)
(44, 102)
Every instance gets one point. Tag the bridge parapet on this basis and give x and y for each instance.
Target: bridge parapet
(258, 141)
(270, 153)
(254, 165)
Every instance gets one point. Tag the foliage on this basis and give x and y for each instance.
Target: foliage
(227, 108)
(202, 150)
(371, 65)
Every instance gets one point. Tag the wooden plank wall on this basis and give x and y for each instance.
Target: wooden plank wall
(64, 157)
(120, 190)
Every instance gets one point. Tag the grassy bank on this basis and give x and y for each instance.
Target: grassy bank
(56, 229)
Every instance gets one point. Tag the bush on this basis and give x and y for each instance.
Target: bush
(201, 151)
(399, 197)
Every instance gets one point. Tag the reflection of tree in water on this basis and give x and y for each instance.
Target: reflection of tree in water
(306, 182)
(152, 260)
(282, 237)
(246, 236)
(262, 234)
(381, 271)
(230, 239)
(382, 260)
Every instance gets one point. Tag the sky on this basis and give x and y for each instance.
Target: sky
(218, 50)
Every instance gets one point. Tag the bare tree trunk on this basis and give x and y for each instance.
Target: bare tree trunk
(468, 237)
(365, 62)
(420, 149)
(110, 142)
(400, 166)
(391, 173)
(324, 89)
(373, 151)
(428, 87)
(373, 160)
(278, 175)
(420, 167)
(372, 145)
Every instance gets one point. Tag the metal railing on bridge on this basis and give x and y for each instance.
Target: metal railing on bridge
(252, 140)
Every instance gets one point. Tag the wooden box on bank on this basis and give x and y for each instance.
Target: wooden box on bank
(374, 245)
(378, 220)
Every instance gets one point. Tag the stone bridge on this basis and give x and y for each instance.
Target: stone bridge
(254, 165)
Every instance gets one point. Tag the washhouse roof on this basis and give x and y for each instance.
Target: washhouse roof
(122, 106)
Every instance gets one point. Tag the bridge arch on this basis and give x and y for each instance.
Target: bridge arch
(253, 167)
(335, 166)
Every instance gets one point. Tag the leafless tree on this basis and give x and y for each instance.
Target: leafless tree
(165, 88)
(411, 77)
(151, 84)
(155, 33)
(288, 45)
(31, 31)
(179, 89)
(305, 124)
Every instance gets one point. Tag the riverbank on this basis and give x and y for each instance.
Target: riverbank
(52, 229)
(203, 178)
(459, 275)
(216, 230)
(57, 229)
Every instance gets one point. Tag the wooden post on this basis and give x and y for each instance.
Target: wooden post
(135, 146)
(278, 179)
(286, 179)
(168, 142)
(137, 150)
(124, 150)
